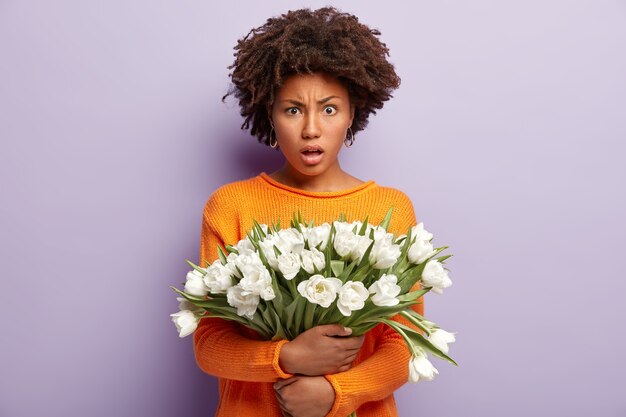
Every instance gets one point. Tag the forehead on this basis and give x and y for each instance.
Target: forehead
(314, 85)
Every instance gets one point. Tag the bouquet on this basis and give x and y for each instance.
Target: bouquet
(282, 282)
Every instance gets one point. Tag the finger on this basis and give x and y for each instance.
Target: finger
(284, 412)
(352, 340)
(353, 343)
(344, 368)
(281, 401)
(284, 382)
(283, 407)
(348, 360)
(335, 330)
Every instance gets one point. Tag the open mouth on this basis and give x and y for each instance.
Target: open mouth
(312, 156)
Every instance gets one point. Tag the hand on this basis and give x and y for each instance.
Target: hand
(305, 396)
(321, 350)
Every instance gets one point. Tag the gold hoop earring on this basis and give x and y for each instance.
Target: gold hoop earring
(348, 141)
(275, 144)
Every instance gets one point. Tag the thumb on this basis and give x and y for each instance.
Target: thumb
(335, 330)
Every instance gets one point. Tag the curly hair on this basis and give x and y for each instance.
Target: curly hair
(306, 41)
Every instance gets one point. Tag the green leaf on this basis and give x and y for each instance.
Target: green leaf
(231, 249)
(278, 301)
(189, 297)
(413, 295)
(328, 250)
(420, 340)
(309, 312)
(385, 223)
(289, 314)
(196, 267)
(345, 274)
(415, 320)
(407, 241)
(443, 258)
(364, 226)
(222, 255)
(258, 227)
(410, 276)
(298, 315)
(337, 267)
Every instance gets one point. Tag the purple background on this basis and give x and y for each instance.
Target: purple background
(507, 133)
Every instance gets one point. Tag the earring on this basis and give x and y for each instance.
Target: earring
(275, 144)
(348, 141)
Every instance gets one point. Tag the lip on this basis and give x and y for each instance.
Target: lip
(311, 158)
(312, 148)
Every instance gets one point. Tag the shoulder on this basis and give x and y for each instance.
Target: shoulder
(228, 196)
(394, 197)
(403, 213)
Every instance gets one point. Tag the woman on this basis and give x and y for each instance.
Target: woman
(306, 83)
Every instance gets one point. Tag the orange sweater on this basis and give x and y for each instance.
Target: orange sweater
(246, 366)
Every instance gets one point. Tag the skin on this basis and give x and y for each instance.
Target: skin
(313, 109)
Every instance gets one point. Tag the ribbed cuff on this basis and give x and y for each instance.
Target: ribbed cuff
(340, 401)
(276, 363)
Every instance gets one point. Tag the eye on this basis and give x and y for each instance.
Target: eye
(330, 110)
(292, 111)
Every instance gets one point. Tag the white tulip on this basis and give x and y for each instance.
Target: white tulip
(231, 264)
(435, 276)
(245, 246)
(290, 240)
(320, 290)
(312, 259)
(381, 234)
(419, 233)
(257, 280)
(421, 368)
(267, 246)
(352, 297)
(184, 304)
(440, 338)
(345, 242)
(289, 265)
(251, 258)
(344, 226)
(195, 284)
(363, 242)
(385, 291)
(384, 254)
(244, 301)
(419, 251)
(218, 278)
(318, 235)
(186, 322)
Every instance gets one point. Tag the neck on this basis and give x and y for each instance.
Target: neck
(333, 179)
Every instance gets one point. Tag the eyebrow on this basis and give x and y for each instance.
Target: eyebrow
(322, 101)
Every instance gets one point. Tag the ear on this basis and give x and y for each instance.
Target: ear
(352, 111)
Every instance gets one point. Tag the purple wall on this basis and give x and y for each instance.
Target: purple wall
(507, 133)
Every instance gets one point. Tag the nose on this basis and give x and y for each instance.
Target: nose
(311, 128)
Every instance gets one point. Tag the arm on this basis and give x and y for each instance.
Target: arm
(375, 378)
(219, 348)
(386, 370)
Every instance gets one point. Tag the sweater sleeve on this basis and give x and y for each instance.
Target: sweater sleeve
(220, 349)
(378, 376)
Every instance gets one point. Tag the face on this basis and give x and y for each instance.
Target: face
(311, 115)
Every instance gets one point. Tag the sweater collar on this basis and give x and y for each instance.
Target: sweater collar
(265, 178)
